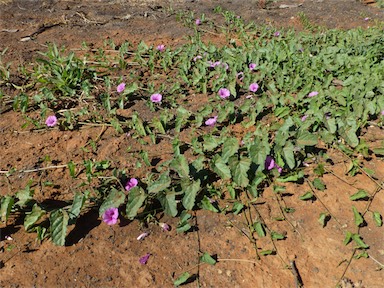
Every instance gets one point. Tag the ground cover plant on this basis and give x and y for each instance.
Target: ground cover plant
(294, 96)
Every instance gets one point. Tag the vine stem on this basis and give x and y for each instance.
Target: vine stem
(35, 170)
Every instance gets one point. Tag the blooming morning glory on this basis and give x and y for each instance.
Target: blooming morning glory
(252, 66)
(131, 183)
(224, 93)
(270, 164)
(142, 236)
(198, 22)
(253, 87)
(156, 98)
(161, 47)
(143, 260)
(51, 121)
(120, 88)
(165, 226)
(313, 93)
(110, 216)
(211, 121)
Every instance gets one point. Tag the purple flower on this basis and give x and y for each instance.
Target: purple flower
(51, 121)
(165, 226)
(382, 112)
(131, 183)
(143, 260)
(277, 34)
(253, 87)
(270, 164)
(224, 93)
(366, 18)
(211, 121)
(160, 47)
(252, 66)
(304, 118)
(198, 21)
(120, 88)
(197, 57)
(142, 236)
(313, 93)
(110, 216)
(156, 98)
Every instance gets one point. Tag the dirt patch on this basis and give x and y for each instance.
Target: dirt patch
(97, 255)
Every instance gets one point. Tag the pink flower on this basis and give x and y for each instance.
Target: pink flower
(197, 57)
(252, 66)
(211, 121)
(270, 164)
(110, 216)
(51, 121)
(131, 183)
(156, 98)
(366, 18)
(143, 260)
(165, 226)
(161, 47)
(198, 21)
(313, 93)
(304, 118)
(142, 236)
(382, 112)
(253, 87)
(224, 93)
(120, 88)
(277, 34)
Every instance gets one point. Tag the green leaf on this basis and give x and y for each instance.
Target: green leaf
(230, 147)
(182, 279)
(348, 238)
(71, 167)
(220, 168)
(323, 219)
(359, 195)
(288, 155)
(168, 202)
(306, 196)
(378, 151)
(349, 134)
(360, 243)
(114, 199)
(291, 177)
(357, 216)
(267, 252)
(210, 142)
(190, 193)
(77, 205)
(25, 196)
(239, 169)
(237, 207)
(6, 206)
(207, 205)
(136, 198)
(183, 225)
(161, 184)
(377, 218)
(318, 184)
(306, 138)
(277, 236)
(206, 258)
(32, 217)
(59, 222)
(180, 165)
(259, 228)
